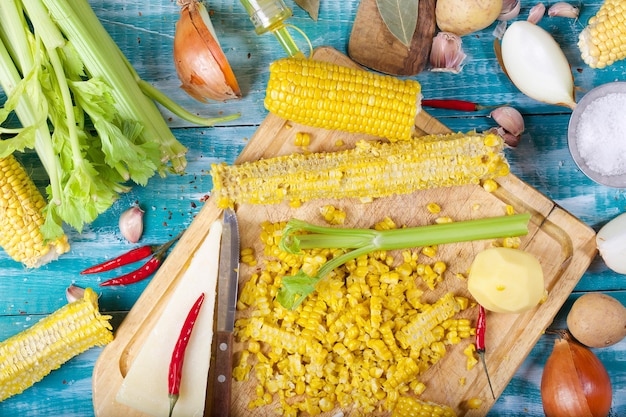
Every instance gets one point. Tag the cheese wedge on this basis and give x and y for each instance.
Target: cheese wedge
(145, 386)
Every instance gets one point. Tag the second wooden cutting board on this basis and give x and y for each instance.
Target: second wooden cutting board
(374, 46)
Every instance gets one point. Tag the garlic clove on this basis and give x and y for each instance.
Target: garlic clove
(509, 140)
(131, 224)
(536, 13)
(200, 62)
(74, 293)
(563, 9)
(510, 10)
(446, 54)
(509, 118)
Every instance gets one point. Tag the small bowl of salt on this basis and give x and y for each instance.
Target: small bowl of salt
(597, 134)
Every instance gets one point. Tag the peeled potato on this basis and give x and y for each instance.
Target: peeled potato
(463, 17)
(597, 320)
(506, 280)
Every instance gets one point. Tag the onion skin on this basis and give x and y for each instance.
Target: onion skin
(575, 383)
(200, 62)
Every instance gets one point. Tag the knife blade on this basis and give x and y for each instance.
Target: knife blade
(227, 283)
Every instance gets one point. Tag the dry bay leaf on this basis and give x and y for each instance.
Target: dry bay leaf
(400, 17)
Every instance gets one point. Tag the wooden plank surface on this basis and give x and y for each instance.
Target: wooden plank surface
(145, 31)
(564, 245)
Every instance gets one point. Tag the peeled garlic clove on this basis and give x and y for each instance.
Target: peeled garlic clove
(563, 9)
(131, 224)
(536, 64)
(509, 118)
(536, 13)
(510, 10)
(509, 140)
(200, 62)
(446, 54)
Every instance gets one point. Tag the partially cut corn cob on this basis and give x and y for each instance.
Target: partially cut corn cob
(371, 170)
(32, 354)
(330, 96)
(413, 407)
(21, 218)
(603, 41)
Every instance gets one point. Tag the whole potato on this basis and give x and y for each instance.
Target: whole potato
(597, 320)
(462, 17)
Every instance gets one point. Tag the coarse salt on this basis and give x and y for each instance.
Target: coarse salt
(601, 135)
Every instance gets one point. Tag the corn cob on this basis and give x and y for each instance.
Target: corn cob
(413, 407)
(31, 355)
(371, 170)
(21, 218)
(603, 41)
(330, 96)
(418, 333)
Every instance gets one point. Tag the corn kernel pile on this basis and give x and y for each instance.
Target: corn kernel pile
(360, 341)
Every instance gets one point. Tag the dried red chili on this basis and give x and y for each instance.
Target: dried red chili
(481, 329)
(178, 354)
(462, 105)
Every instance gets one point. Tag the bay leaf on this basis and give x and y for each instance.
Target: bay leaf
(312, 7)
(400, 17)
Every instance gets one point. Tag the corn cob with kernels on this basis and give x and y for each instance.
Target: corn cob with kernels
(371, 170)
(21, 218)
(330, 96)
(32, 354)
(603, 41)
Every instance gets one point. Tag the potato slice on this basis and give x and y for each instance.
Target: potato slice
(506, 280)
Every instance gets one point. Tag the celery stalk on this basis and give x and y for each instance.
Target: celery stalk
(296, 288)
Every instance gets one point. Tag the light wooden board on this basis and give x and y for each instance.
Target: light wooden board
(564, 245)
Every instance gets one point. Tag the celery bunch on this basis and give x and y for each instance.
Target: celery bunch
(82, 107)
(298, 235)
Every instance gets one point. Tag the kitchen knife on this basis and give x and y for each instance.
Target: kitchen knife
(228, 277)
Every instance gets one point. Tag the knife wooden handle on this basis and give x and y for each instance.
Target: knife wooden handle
(223, 374)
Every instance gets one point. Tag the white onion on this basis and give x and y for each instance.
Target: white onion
(535, 63)
(611, 242)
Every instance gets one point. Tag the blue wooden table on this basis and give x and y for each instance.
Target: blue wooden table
(145, 30)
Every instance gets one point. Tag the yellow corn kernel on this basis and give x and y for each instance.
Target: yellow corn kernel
(333, 215)
(603, 42)
(21, 218)
(430, 251)
(443, 220)
(490, 185)
(474, 403)
(32, 354)
(247, 256)
(386, 224)
(431, 161)
(509, 210)
(326, 95)
(413, 407)
(433, 208)
(302, 139)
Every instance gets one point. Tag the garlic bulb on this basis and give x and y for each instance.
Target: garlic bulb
(536, 64)
(509, 118)
(446, 54)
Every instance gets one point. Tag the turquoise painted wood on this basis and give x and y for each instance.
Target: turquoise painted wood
(145, 30)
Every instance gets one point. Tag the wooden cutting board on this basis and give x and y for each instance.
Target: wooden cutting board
(564, 245)
(372, 45)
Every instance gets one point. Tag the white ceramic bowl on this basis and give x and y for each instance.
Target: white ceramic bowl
(615, 90)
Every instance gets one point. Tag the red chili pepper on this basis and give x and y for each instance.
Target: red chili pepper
(481, 329)
(129, 257)
(178, 354)
(146, 270)
(462, 105)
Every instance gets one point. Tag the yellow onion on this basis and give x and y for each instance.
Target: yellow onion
(574, 382)
(200, 62)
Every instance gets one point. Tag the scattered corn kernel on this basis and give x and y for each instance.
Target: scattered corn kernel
(490, 185)
(302, 139)
(333, 215)
(443, 219)
(247, 256)
(474, 403)
(433, 208)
